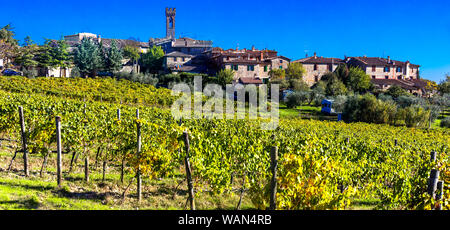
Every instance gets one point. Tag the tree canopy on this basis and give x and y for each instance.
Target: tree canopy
(87, 57)
(114, 58)
(224, 77)
(295, 71)
(152, 61)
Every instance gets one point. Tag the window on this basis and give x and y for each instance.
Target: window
(316, 78)
(184, 59)
(281, 61)
(399, 69)
(373, 77)
(265, 68)
(387, 69)
(387, 77)
(281, 67)
(236, 67)
(330, 67)
(374, 68)
(250, 68)
(399, 77)
(315, 67)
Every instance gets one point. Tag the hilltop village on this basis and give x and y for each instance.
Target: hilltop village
(187, 55)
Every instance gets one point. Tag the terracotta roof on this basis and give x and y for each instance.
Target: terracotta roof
(320, 60)
(377, 61)
(405, 84)
(247, 80)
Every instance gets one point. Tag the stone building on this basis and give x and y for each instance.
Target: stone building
(316, 67)
(182, 54)
(385, 68)
(248, 64)
(386, 72)
(74, 40)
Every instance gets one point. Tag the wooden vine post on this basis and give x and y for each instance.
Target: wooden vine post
(273, 184)
(189, 172)
(24, 141)
(439, 194)
(434, 183)
(58, 151)
(138, 173)
(86, 159)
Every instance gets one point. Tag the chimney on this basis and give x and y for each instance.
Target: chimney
(253, 48)
(315, 55)
(306, 55)
(389, 59)
(262, 56)
(99, 38)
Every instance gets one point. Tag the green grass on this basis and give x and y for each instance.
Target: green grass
(34, 192)
(286, 112)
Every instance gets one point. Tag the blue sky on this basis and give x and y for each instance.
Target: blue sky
(418, 31)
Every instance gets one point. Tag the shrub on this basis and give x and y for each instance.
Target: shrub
(297, 98)
(75, 72)
(137, 77)
(368, 109)
(445, 122)
(298, 85)
(406, 101)
(416, 116)
(32, 73)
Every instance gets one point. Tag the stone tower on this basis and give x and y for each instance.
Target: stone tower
(170, 22)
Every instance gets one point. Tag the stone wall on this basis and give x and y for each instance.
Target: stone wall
(174, 61)
(312, 76)
(406, 73)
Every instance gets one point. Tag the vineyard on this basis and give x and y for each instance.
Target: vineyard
(128, 127)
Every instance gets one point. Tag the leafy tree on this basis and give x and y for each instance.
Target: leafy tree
(326, 77)
(8, 45)
(7, 35)
(335, 87)
(295, 71)
(224, 77)
(297, 98)
(27, 54)
(133, 53)
(54, 54)
(61, 56)
(317, 93)
(87, 57)
(45, 56)
(277, 74)
(396, 91)
(283, 83)
(152, 60)
(444, 86)
(103, 57)
(114, 58)
(298, 85)
(342, 72)
(357, 80)
(27, 41)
